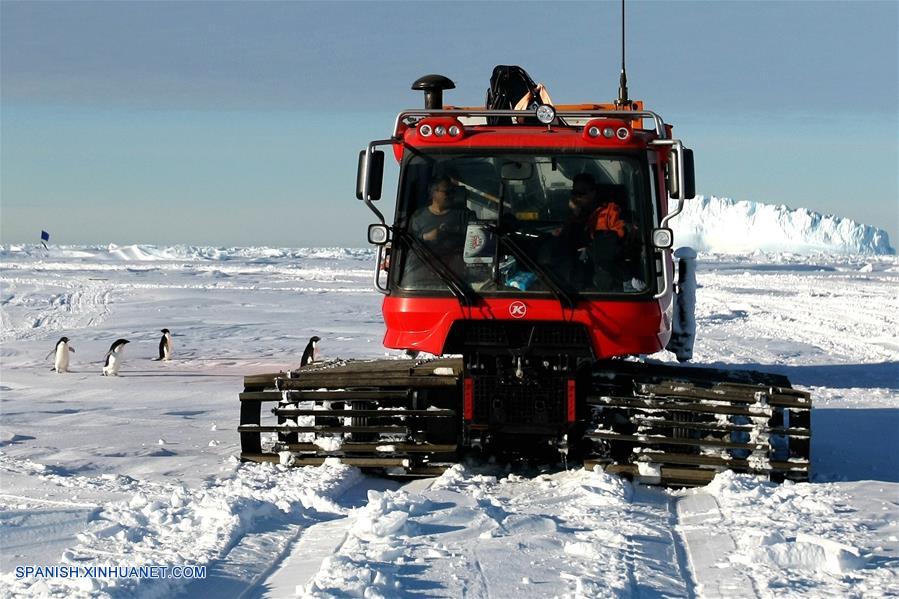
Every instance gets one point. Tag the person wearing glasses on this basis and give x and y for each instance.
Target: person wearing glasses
(441, 224)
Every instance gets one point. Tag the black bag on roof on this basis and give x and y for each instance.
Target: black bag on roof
(508, 85)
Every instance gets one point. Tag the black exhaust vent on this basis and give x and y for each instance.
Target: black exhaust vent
(433, 86)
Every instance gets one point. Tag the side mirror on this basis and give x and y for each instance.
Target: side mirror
(663, 238)
(517, 171)
(370, 175)
(673, 182)
(378, 234)
(689, 175)
(689, 181)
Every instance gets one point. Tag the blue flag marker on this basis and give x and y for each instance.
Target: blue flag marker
(45, 237)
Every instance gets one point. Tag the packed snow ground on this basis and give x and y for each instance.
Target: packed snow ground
(139, 470)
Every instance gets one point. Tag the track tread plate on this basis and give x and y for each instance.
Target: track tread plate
(684, 418)
(710, 460)
(293, 412)
(717, 427)
(351, 381)
(726, 392)
(351, 447)
(281, 428)
(664, 440)
(661, 404)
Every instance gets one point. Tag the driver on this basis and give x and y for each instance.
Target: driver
(441, 224)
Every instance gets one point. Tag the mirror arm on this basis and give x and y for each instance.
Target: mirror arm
(366, 195)
(377, 282)
(678, 149)
(375, 210)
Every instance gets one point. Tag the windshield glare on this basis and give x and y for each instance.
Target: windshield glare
(513, 223)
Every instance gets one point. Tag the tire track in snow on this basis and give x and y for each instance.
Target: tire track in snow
(255, 508)
(41, 307)
(313, 544)
(681, 551)
(482, 578)
(705, 550)
(569, 534)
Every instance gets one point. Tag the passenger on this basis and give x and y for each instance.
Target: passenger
(612, 247)
(573, 237)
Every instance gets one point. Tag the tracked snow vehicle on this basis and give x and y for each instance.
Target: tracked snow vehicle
(538, 316)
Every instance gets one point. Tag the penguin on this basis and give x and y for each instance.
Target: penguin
(114, 358)
(310, 354)
(62, 349)
(165, 346)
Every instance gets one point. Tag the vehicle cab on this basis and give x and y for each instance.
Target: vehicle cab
(556, 216)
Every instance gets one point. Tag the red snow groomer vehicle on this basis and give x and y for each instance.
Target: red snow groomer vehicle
(532, 247)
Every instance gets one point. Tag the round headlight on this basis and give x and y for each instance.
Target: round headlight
(454, 130)
(662, 238)
(378, 234)
(622, 133)
(439, 130)
(593, 131)
(424, 130)
(546, 114)
(608, 132)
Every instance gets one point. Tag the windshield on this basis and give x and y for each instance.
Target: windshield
(560, 224)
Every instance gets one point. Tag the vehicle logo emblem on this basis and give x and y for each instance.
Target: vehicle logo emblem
(518, 309)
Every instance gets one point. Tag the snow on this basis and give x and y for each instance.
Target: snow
(727, 226)
(139, 469)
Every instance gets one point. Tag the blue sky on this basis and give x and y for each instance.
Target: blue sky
(239, 123)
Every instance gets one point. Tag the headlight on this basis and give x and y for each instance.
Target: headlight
(378, 234)
(662, 238)
(546, 114)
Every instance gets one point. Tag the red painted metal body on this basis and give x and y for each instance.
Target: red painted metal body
(524, 136)
(616, 327)
(640, 325)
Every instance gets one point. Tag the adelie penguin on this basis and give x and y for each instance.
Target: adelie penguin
(310, 354)
(165, 346)
(114, 358)
(62, 349)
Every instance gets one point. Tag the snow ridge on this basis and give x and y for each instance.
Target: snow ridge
(178, 253)
(727, 226)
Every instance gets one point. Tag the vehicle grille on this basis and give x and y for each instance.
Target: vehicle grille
(470, 336)
(525, 403)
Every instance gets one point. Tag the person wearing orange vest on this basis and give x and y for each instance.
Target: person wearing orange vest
(573, 239)
(607, 218)
(609, 234)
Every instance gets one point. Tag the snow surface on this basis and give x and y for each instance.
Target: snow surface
(85, 480)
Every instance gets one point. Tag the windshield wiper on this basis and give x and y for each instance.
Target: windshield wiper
(566, 299)
(457, 286)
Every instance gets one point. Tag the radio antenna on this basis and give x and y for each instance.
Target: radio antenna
(622, 100)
